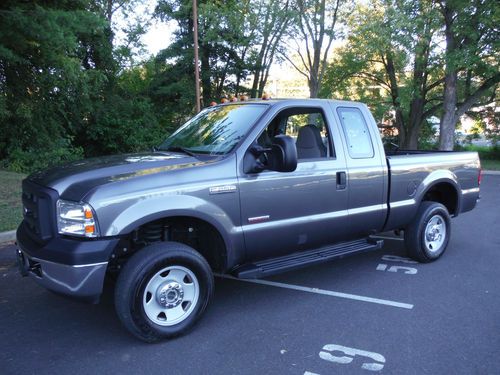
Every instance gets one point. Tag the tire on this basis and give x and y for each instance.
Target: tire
(163, 290)
(427, 237)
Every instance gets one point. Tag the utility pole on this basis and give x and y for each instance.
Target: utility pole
(196, 59)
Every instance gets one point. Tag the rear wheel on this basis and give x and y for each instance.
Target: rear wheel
(426, 238)
(163, 290)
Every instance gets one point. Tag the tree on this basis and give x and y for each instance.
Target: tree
(236, 39)
(316, 20)
(45, 91)
(62, 93)
(272, 19)
(472, 56)
(389, 61)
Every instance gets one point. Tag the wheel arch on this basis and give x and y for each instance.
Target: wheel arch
(183, 208)
(441, 187)
(210, 239)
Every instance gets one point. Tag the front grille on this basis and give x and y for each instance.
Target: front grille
(39, 210)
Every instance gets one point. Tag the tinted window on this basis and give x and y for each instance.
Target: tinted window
(358, 138)
(215, 130)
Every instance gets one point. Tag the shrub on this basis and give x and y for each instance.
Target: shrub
(26, 161)
(485, 152)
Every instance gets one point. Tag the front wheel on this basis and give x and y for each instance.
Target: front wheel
(427, 237)
(163, 290)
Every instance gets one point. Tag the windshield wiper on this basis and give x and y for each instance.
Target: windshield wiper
(179, 149)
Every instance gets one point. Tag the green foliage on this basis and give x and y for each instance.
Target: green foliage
(490, 165)
(120, 125)
(487, 121)
(485, 152)
(70, 88)
(387, 63)
(45, 91)
(59, 152)
(428, 139)
(11, 209)
(394, 60)
(62, 94)
(236, 39)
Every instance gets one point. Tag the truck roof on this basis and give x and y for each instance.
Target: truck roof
(296, 101)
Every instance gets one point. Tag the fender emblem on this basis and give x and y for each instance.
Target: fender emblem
(258, 219)
(223, 189)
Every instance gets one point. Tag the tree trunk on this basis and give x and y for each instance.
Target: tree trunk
(401, 136)
(411, 140)
(449, 119)
(313, 86)
(399, 123)
(255, 84)
(393, 83)
(205, 75)
(260, 58)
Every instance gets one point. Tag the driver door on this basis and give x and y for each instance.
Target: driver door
(286, 212)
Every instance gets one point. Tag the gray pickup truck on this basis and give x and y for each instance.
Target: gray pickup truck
(249, 188)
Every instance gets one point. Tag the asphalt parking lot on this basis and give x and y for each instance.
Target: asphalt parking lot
(374, 312)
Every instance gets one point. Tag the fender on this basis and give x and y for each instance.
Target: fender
(437, 177)
(144, 211)
(402, 215)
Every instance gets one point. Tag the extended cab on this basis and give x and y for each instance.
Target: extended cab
(248, 188)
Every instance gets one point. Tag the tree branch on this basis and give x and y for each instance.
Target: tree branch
(295, 66)
(471, 100)
(434, 84)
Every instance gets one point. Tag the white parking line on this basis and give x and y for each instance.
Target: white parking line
(330, 293)
(388, 238)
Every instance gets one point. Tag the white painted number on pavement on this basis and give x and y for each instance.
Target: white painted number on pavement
(406, 270)
(375, 361)
(395, 258)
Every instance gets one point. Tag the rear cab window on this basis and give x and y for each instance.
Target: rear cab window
(359, 142)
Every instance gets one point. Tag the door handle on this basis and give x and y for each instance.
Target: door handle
(341, 180)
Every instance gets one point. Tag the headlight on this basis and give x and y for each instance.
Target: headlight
(76, 219)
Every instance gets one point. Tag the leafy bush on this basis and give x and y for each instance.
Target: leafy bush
(121, 125)
(25, 161)
(485, 152)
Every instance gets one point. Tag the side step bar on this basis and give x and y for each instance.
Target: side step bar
(302, 259)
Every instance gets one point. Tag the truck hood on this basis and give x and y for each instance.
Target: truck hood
(72, 181)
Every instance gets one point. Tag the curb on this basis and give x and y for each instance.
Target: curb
(493, 173)
(9, 236)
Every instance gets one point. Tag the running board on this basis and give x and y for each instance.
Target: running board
(302, 259)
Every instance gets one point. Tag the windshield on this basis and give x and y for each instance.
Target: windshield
(215, 130)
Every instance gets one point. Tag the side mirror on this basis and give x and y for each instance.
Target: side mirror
(281, 156)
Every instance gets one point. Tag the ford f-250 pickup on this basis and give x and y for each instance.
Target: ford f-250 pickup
(248, 188)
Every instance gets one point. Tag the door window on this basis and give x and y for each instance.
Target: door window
(307, 126)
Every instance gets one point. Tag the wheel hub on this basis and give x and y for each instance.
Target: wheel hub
(435, 233)
(170, 294)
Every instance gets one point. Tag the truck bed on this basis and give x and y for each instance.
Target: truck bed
(411, 174)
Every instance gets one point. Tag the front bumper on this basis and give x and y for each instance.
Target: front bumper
(65, 265)
(84, 281)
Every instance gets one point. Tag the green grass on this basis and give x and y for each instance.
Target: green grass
(490, 165)
(490, 156)
(10, 200)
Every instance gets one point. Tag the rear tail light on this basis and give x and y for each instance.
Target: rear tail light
(479, 176)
